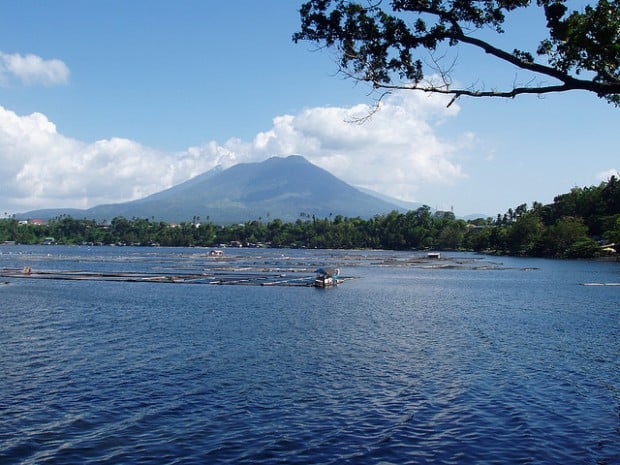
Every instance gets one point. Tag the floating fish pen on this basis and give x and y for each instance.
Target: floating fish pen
(247, 278)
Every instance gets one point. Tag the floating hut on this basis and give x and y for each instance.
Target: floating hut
(327, 277)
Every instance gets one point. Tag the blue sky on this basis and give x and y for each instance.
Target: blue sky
(108, 101)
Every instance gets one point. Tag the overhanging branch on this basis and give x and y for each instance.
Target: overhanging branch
(570, 82)
(377, 45)
(455, 33)
(477, 93)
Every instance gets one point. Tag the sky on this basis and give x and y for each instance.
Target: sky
(107, 101)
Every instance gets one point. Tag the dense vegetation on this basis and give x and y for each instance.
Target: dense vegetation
(575, 225)
(405, 44)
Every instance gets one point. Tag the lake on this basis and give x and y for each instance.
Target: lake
(468, 359)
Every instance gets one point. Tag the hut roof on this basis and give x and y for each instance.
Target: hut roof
(328, 271)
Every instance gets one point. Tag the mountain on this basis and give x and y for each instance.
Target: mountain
(476, 216)
(275, 188)
(401, 204)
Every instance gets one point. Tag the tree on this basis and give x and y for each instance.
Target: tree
(613, 234)
(524, 234)
(452, 234)
(559, 239)
(382, 43)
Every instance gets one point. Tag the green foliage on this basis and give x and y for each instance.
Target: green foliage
(524, 234)
(381, 42)
(583, 248)
(612, 234)
(566, 228)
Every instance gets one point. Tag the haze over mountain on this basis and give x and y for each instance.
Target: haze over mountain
(282, 188)
(401, 204)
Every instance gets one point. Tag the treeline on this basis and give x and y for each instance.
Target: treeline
(576, 225)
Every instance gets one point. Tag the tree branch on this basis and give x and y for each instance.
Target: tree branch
(570, 82)
(479, 93)
(376, 45)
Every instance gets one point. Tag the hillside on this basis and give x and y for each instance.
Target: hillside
(278, 187)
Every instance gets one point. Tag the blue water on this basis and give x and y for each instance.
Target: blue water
(487, 361)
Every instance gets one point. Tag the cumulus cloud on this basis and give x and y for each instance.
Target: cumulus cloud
(395, 152)
(31, 69)
(605, 175)
(40, 167)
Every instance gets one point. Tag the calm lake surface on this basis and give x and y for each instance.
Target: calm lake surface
(469, 359)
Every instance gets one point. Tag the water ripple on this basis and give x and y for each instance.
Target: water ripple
(401, 366)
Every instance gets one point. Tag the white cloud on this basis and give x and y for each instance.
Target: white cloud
(32, 69)
(605, 175)
(395, 152)
(41, 168)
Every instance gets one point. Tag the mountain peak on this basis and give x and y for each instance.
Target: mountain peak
(279, 187)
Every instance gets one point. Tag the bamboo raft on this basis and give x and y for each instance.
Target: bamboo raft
(220, 278)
